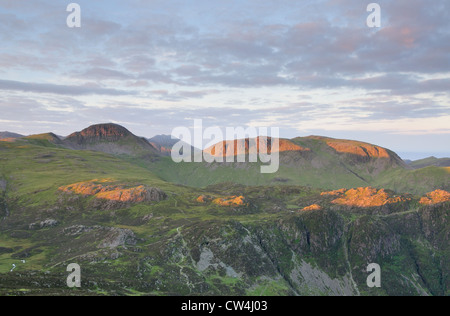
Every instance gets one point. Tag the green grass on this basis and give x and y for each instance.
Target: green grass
(37, 172)
(269, 288)
(329, 172)
(419, 181)
(169, 233)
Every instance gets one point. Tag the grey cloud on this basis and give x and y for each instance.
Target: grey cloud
(253, 51)
(139, 63)
(390, 108)
(181, 95)
(58, 89)
(99, 73)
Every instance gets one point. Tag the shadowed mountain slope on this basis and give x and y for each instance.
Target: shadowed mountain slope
(431, 161)
(6, 135)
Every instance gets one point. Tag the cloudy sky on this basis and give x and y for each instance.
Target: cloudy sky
(307, 67)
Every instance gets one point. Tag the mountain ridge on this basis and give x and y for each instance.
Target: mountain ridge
(316, 161)
(135, 232)
(430, 161)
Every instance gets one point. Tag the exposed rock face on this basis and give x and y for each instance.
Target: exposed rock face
(44, 224)
(203, 199)
(77, 230)
(364, 197)
(231, 201)
(251, 146)
(358, 148)
(116, 237)
(103, 190)
(109, 138)
(435, 197)
(110, 132)
(334, 193)
(108, 237)
(314, 207)
(372, 239)
(133, 195)
(356, 153)
(225, 201)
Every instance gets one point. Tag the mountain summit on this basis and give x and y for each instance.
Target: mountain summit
(109, 138)
(100, 132)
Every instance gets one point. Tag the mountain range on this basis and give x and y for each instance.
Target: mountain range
(139, 223)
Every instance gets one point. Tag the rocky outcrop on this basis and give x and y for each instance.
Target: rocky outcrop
(203, 199)
(364, 197)
(133, 195)
(334, 193)
(48, 223)
(314, 207)
(223, 201)
(435, 197)
(106, 237)
(107, 191)
(116, 237)
(231, 201)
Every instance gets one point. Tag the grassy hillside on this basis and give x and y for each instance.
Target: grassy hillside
(431, 161)
(322, 167)
(183, 245)
(417, 181)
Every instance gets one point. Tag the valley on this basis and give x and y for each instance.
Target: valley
(139, 224)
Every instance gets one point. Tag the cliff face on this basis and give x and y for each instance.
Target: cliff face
(318, 252)
(115, 195)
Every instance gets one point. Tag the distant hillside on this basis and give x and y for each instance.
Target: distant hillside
(163, 140)
(109, 138)
(9, 135)
(314, 161)
(135, 234)
(431, 161)
(164, 144)
(46, 140)
(249, 146)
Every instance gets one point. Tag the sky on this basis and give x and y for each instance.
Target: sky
(307, 67)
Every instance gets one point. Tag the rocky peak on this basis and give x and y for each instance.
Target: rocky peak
(110, 132)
